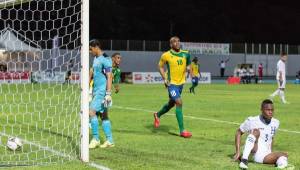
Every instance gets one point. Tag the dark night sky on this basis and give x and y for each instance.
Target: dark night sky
(196, 20)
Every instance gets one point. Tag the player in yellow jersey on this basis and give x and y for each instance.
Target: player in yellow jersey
(177, 62)
(195, 74)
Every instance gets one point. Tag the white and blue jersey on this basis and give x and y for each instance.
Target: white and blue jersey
(101, 66)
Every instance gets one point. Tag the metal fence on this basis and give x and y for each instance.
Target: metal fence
(244, 48)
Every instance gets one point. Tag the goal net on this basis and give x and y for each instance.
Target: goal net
(40, 103)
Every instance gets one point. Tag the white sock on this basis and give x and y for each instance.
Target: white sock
(275, 93)
(282, 97)
(282, 162)
(249, 144)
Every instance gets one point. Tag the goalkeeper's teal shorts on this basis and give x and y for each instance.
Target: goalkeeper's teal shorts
(97, 103)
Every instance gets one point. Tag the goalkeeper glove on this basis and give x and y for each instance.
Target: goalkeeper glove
(107, 102)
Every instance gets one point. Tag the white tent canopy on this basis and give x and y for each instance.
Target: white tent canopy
(10, 41)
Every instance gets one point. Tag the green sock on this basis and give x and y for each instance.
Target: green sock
(179, 117)
(163, 110)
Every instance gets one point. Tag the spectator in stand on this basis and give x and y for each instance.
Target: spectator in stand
(251, 74)
(298, 75)
(222, 65)
(260, 72)
(244, 74)
(297, 81)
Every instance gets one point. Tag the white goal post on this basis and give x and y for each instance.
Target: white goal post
(85, 82)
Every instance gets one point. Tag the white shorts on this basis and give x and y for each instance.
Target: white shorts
(260, 154)
(281, 84)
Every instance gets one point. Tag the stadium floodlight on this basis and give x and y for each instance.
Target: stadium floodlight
(44, 81)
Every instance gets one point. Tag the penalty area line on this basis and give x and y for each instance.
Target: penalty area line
(198, 118)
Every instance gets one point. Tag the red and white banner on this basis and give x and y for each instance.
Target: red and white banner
(75, 77)
(155, 78)
(15, 77)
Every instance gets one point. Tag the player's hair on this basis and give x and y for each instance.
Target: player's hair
(283, 54)
(95, 43)
(195, 59)
(265, 102)
(172, 38)
(115, 54)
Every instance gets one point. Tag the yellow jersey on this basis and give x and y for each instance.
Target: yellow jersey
(195, 68)
(176, 65)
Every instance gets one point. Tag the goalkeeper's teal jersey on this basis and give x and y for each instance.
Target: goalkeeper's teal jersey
(101, 65)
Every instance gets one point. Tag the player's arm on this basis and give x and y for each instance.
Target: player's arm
(108, 81)
(238, 136)
(280, 75)
(161, 69)
(189, 68)
(280, 72)
(199, 71)
(227, 60)
(117, 88)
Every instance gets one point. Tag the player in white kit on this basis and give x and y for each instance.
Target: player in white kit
(280, 77)
(261, 130)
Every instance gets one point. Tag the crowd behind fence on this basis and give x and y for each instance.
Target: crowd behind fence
(244, 48)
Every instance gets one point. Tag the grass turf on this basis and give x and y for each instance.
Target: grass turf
(211, 115)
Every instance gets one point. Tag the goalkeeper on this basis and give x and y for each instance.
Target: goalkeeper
(101, 75)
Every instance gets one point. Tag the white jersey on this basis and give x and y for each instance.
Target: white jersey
(223, 65)
(266, 131)
(280, 68)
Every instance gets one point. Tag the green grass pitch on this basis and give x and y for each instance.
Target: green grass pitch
(212, 115)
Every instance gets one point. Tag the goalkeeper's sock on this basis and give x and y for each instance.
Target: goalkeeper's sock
(95, 127)
(106, 125)
(163, 110)
(179, 117)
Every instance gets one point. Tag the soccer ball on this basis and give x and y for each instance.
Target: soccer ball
(13, 143)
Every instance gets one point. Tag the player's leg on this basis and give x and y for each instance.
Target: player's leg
(176, 92)
(281, 91)
(106, 125)
(162, 111)
(278, 158)
(250, 146)
(195, 84)
(191, 88)
(94, 106)
(166, 108)
(68, 76)
(276, 92)
(117, 88)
